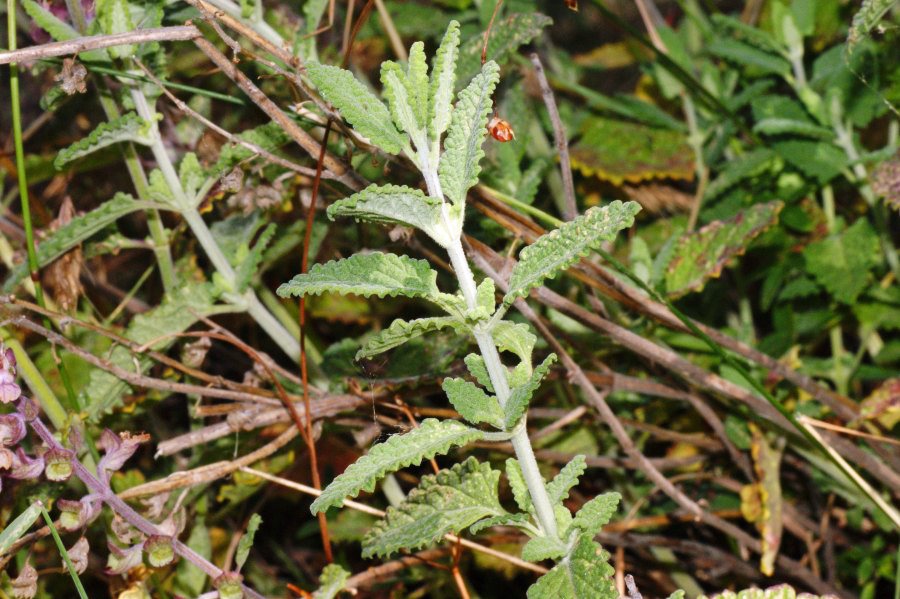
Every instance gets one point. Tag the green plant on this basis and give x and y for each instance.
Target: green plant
(413, 123)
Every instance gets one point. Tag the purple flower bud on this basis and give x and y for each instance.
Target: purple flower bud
(25, 467)
(59, 464)
(122, 560)
(160, 552)
(229, 585)
(12, 429)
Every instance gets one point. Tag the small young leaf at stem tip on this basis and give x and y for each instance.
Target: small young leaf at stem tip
(558, 488)
(472, 403)
(459, 167)
(432, 437)
(596, 513)
(443, 80)
(557, 250)
(518, 400)
(331, 582)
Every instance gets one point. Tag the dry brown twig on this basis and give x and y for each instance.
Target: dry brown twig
(97, 42)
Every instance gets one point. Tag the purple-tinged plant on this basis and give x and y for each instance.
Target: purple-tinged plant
(229, 585)
(159, 551)
(9, 390)
(74, 515)
(58, 464)
(25, 584)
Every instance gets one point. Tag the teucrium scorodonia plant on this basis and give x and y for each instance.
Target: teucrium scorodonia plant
(418, 113)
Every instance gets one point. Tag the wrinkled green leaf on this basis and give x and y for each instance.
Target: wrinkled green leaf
(375, 274)
(400, 331)
(459, 166)
(473, 403)
(557, 250)
(443, 82)
(331, 582)
(443, 503)
(596, 513)
(841, 263)
(246, 542)
(431, 438)
(368, 115)
(521, 395)
(507, 36)
(398, 204)
(558, 488)
(583, 574)
(129, 127)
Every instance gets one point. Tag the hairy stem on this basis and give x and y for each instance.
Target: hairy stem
(278, 333)
(497, 372)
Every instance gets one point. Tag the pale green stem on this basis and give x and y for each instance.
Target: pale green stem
(695, 139)
(260, 26)
(158, 232)
(497, 372)
(279, 334)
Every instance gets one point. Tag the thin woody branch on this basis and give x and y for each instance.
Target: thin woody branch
(98, 42)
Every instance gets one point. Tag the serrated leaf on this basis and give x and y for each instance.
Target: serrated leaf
(192, 176)
(431, 438)
(507, 36)
(520, 396)
(540, 548)
(558, 488)
(750, 56)
(518, 485)
(398, 204)
(246, 542)
(249, 266)
(114, 17)
(472, 403)
(399, 93)
(596, 513)
(619, 151)
(459, 166)
(178, 311)
(442, 85)
(129, 127)
(368, 115)
(58, 29)
(402, 331)
(557, 250)
(866, 18)
(331, 581)
(841, 263)
(366, 275)
(79, 229)
(783, 126)
(748, 165)
(583, 574)
(417, 77)
(517, 520)
(515, 337)
(701, 255)
(478, 370)
(19, 526)
(446, 502)
(820, 160)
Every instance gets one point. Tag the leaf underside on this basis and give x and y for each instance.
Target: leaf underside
(583, 574)
(402, 331)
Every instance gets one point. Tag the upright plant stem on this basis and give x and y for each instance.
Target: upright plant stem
(497, 372)
(279, 334)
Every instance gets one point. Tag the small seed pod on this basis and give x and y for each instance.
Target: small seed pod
(58, 466)
(229, 585)
(501, 130)
(160, 552)
(72, 514)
